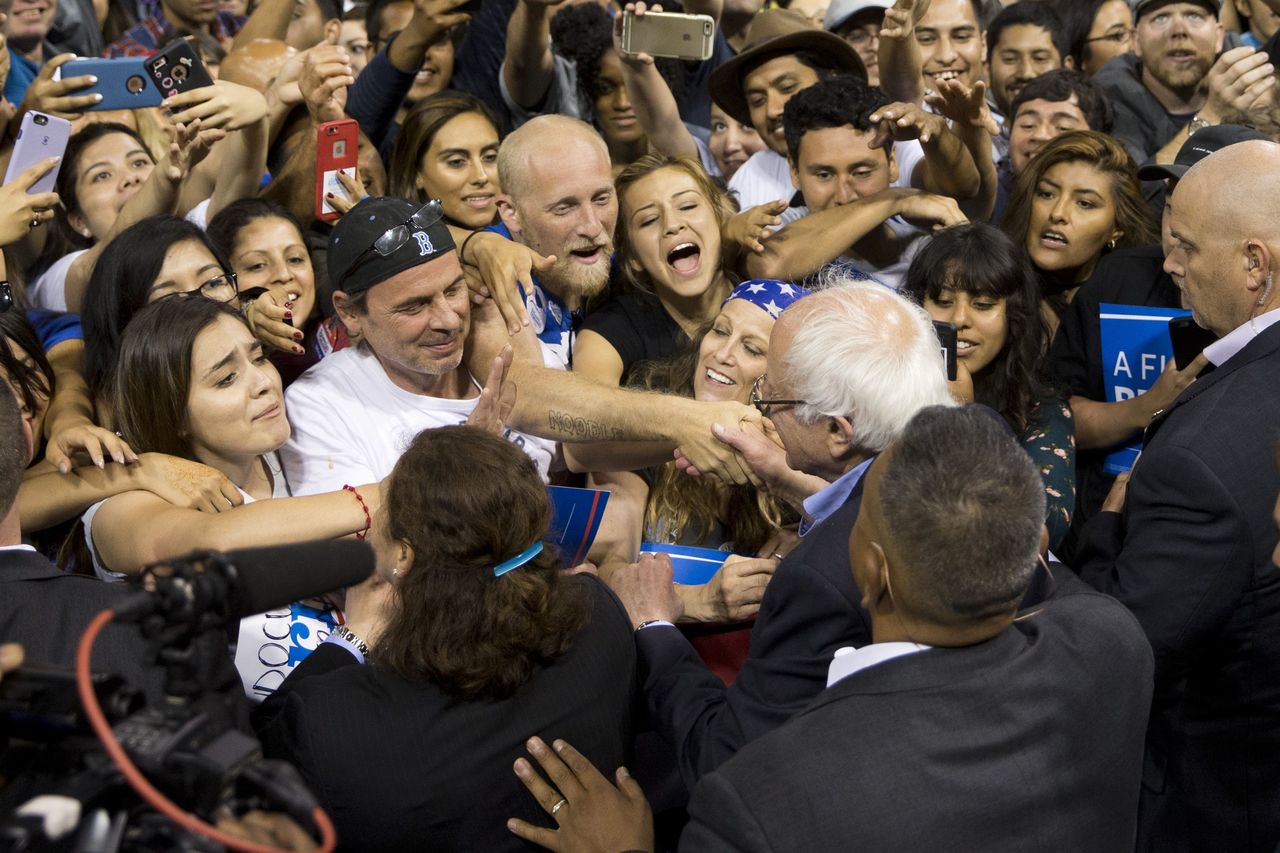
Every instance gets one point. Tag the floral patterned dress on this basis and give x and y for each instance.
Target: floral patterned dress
(1050, 441)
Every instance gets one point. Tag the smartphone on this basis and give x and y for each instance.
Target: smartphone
(40, 136)
(177, 68)
(123, 83)
(1189, 340)
(669, 34)
(947, 338)
(337, 149)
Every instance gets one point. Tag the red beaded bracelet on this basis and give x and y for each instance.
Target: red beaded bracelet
(368, 519)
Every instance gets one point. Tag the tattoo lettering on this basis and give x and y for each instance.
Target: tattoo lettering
(581, 428)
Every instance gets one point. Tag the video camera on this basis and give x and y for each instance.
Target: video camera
(87, 765)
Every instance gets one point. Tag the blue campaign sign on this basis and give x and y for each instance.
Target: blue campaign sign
(692, 566)
(1135, 348)
(575, 520)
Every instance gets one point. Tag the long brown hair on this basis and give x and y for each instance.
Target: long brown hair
(153, 372)
(1134, 219)
(466, 500)
(680, 504)
(420, 127)
(643, 168)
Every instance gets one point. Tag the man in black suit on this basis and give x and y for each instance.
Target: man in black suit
(45, 610)
(960, 727)
(1187, 543)
(856, 348)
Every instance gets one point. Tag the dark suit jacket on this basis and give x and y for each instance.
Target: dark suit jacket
(404, 766)
(1191, 556)
(47, 610)
(809, 610)
(1029, 741)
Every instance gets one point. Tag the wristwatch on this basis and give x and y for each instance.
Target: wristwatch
(1197, 124)
(342, 632)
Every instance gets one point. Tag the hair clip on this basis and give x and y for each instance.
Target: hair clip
(518, 560)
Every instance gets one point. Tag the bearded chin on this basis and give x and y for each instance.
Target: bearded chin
(1184, 78)
(579, 279)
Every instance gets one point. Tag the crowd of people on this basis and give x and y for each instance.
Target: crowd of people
(870, 303)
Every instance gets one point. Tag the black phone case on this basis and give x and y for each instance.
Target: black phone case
(177, 68)
(947, 337)
(1189, 340)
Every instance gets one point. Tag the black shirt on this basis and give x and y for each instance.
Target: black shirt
(638, 327)
(1124, 277)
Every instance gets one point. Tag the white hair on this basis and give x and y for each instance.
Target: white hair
(863, 352)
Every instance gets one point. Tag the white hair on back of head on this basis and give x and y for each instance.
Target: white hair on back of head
(864, 352)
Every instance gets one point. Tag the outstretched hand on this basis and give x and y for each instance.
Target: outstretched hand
(900, 20)
(497, 398)
(593, 815)
(753, 226)
(963, 105)
(637, 59)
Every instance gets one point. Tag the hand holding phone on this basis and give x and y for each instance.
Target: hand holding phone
(946, 333)
(122, 83)
(20, 209)
(337, 149)
(668, 34)
(1189, 340)
(39, 138)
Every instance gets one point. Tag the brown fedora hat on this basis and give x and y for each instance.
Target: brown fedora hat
(775, 32)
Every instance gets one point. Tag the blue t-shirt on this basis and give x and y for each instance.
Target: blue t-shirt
(54, 327)
(21, 72)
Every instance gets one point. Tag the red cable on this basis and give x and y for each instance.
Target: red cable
(139, 783)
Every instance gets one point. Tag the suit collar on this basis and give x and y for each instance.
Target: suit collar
(22, 565)
(927, 669)
(1263, 345)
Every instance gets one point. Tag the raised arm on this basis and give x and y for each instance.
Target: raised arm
(269, 20)
(947, 168)
(158, 195)
(655, 106)
(900, 60)
(809, 243)
(974, 125)
(529, 66)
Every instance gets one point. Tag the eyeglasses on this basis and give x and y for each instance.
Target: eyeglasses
(1117, 36)
(397, 235)
(763, 405)
(863, 36)
(220, 288)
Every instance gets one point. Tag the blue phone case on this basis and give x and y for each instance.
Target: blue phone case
(123, 83)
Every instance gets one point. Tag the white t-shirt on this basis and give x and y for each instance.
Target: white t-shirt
(268, 645)
(351, 423)
(892, 275)
(766, 176)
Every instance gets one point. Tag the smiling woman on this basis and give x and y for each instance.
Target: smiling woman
(978, 280)
(671, 215)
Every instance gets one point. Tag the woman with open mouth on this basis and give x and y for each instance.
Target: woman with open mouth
(670, 217)
(978, 280)
(1079, 198)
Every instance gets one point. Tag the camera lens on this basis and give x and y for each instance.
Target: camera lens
(41, 119)
(179, 72)
(135, 84)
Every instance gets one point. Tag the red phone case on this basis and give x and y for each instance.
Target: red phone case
(337, 144)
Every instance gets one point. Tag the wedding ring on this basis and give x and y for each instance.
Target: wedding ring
(558, 805)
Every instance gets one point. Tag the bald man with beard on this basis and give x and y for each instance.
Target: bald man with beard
(1187, 542)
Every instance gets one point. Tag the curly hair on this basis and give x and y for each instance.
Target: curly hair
(646, 165)
(981, 260)
(679, 503)
(465, 500)
(582, 34)
(841, 101)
